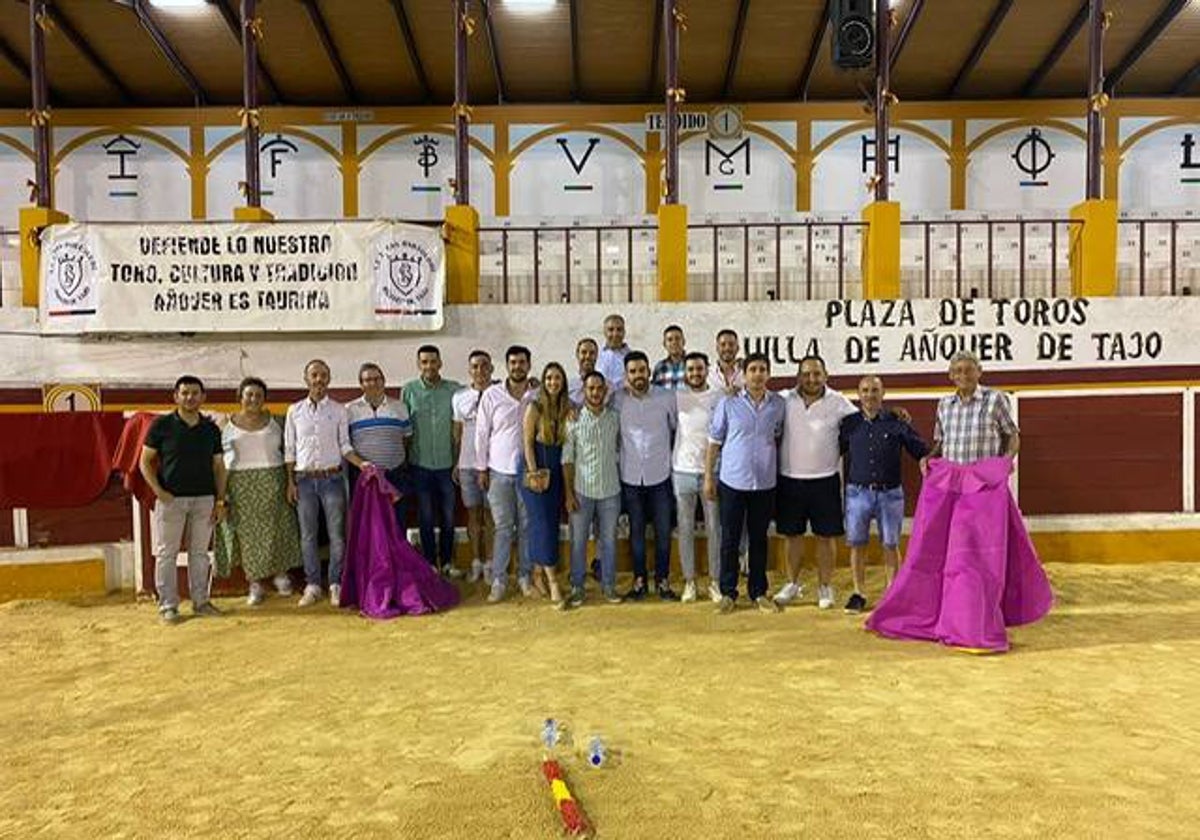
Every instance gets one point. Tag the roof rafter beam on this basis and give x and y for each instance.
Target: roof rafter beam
(234, 23)
(981, 45)
(493, 45)
(1181, 85)
(573, 13)
(810, 63)
(1060, 46)
(410, 44)
(326, 38)
(1168, 13)
(85, 49)
(910, 21)
(656, 40)
(168, 51)
(735, 47)
(22, 66)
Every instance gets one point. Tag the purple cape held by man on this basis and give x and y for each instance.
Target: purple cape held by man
(970, 570)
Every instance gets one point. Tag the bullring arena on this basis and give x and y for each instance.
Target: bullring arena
(483, 176)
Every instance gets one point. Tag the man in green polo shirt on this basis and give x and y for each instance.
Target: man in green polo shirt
(432, 455)
(183, 464)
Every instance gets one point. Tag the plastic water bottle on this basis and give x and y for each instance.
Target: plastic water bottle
(554, 733)
(598, 755)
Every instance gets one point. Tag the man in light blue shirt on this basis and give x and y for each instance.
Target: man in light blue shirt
(611, 360)
(744, 437)
(648, 418)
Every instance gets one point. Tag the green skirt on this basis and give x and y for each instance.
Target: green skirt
(260, 533)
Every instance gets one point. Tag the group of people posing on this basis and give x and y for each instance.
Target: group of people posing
(619, 435)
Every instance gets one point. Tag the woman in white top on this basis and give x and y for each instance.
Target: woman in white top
(260, 532)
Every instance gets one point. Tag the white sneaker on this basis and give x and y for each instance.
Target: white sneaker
(312, 594)
(488, 574)
(497, 593)
(283, 584)
(825, 596)
(526, 587)
(790, 592)
(476, 572)
(257, 594)
(452, 571)
(335, 595)
(714, 592)
(689, 592)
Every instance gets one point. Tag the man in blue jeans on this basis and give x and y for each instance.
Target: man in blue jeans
(430, 402)
(592, 487)
(871, 442)
(316, 437)
(648, 418)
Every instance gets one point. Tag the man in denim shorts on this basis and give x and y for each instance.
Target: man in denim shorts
(465, 406)
(871, 442)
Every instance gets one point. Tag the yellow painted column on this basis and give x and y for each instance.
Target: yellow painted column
(350, 170)
(198, 172)
(653, 164)
(32, 220)
(1094, 248)
(502, 169)
(461, 235)
(958, 164)
(672, 252)
(881, 251)
(803, 161)
(1112, 156)
(252, 214)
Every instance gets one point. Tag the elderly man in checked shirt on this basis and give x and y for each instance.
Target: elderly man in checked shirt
(974, 422)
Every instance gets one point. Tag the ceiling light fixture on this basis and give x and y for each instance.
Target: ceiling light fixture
(530, 6)
(178, 4)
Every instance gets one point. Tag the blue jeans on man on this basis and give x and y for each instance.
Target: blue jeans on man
(649, 503)
(511, 520)
(435, 506)
(316, 496)
(604, 513)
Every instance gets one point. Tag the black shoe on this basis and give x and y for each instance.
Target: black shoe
(664, 591)
(577, 596)
(638, 593)
(856, 604)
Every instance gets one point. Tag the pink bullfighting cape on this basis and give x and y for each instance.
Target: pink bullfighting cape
(970, 569)
(383, 575)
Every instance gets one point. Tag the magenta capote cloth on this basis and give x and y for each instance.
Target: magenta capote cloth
(970, 569)
(383, 576)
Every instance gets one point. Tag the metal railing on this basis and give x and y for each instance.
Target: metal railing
(570, 263)
(784, 261)
(1040, 249)
(1158, 256)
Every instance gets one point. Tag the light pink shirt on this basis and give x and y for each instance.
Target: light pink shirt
(498, 430)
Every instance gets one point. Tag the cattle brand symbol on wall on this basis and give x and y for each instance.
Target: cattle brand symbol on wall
(122, 148)
(1033, 156)
(275, 149)
(577, 165)
(867, 153)
(427, 157)
(403, 272)
(1188, 144)
(71, 272)
(726, 164)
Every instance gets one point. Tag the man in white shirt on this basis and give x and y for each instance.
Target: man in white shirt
(316, 437)
(695, 404)
(480, 529)
(499, 446)
(727, 375)
(611, 360)
(586, 354)
(810, 485)
(379, 427)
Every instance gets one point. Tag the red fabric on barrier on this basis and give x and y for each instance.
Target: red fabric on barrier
(56, 460)
(129, 452)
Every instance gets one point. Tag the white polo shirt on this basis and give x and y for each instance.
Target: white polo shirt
(465, 405)
(809, 448)
(695, 410)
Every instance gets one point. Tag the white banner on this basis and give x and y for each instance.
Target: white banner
(233, 277)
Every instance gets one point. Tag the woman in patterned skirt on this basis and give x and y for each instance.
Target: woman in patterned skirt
(260, 532)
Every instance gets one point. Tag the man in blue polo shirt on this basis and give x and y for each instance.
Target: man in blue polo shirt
(183, 462)
(744, 437)
(871, 442)
(379, 429)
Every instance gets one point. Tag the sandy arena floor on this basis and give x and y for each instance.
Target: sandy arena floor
(276, 723)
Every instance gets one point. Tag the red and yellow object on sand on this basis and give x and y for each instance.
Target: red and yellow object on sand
(575, 822)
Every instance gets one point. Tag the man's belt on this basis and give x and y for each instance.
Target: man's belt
(328, 473)
(877, 486)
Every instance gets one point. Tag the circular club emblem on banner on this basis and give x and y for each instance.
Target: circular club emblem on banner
(71, 277)
(403, 272)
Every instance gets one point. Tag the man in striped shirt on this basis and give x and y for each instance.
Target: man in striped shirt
(379, 427)
(974, 422)
(592, 486)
